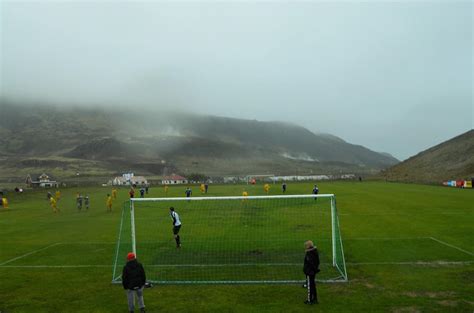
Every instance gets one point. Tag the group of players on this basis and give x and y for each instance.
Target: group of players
(81, 201)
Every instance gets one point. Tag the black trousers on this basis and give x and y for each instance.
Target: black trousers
(311, 285)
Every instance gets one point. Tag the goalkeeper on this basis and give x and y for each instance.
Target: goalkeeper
(176, 226)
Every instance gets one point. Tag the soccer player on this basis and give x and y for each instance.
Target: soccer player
(108, 203)
(283, 187)
(202, 188)
(4, 202)
(315, 192)
(86, 202)
(131, 192)
(166, 189)
(53, 204)
(206, 187)
(176, 226)
(188, 192)
(146, 188)
(245, 194)
(58, 195)
(266, 188)
(142, 192)
(310, 269)
(79, 201)
(133, 281)
(114, 193)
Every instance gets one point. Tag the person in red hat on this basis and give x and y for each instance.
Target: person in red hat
(133, 281)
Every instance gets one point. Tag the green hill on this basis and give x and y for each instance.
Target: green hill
(450, 160)
(102, 142)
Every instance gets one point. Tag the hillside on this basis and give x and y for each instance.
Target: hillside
(96, 143)
(452, 159)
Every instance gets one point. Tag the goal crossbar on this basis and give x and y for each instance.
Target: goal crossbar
(231, 198)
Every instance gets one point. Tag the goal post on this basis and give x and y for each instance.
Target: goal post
(231, 240)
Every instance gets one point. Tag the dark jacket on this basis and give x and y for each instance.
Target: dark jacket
(133, 275)
(311, 262)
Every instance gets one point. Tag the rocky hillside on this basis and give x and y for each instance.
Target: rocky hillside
(95, 142)
(452, 159)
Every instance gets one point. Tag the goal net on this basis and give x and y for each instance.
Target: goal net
(254, 239)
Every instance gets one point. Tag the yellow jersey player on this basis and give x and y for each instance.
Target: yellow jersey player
(245, 194)
(58, 195)
(202, 188)
(114, 193)
(166, 189)
(109, 203)
(53, 204)
(266, 188)
(5, 202)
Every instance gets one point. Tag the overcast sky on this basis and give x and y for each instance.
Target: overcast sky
(392, 76)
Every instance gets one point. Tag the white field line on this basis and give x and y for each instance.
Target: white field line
(29, 253)
(415, 263)
(451, 246)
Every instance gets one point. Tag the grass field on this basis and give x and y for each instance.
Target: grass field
(408, 248)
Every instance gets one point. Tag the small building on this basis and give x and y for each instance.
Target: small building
(174, 180)
(43, 180)
(129, 179)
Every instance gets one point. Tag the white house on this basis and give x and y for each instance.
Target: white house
(42, 180)
(129, 179)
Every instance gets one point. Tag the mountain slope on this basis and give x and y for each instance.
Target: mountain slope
(452, 159)
(106, 140)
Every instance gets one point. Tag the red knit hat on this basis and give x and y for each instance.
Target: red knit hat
(130, 256)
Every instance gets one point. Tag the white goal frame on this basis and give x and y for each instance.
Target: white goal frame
(334, 229)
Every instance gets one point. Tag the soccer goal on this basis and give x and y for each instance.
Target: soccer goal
(231, 240)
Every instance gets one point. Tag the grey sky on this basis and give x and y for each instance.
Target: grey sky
(392, 76)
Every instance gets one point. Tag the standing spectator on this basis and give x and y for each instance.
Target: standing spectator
(133, 281)
(311, 268)
(283, 187)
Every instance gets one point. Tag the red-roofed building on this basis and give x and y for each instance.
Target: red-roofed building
(174, 180)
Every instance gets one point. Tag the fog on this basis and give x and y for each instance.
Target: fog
(392, 76)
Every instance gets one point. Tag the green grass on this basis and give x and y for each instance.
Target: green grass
(408, 248)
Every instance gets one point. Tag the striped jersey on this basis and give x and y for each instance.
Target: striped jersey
(175, 216)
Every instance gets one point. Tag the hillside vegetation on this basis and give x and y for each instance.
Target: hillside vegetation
(100, 142)
(450, 160)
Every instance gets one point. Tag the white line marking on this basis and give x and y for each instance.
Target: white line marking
(437, 263)
(450, 245)
(29, 253)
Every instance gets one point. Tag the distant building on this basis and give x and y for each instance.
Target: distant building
(174, 180)
(129, 179)
(43, 180)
